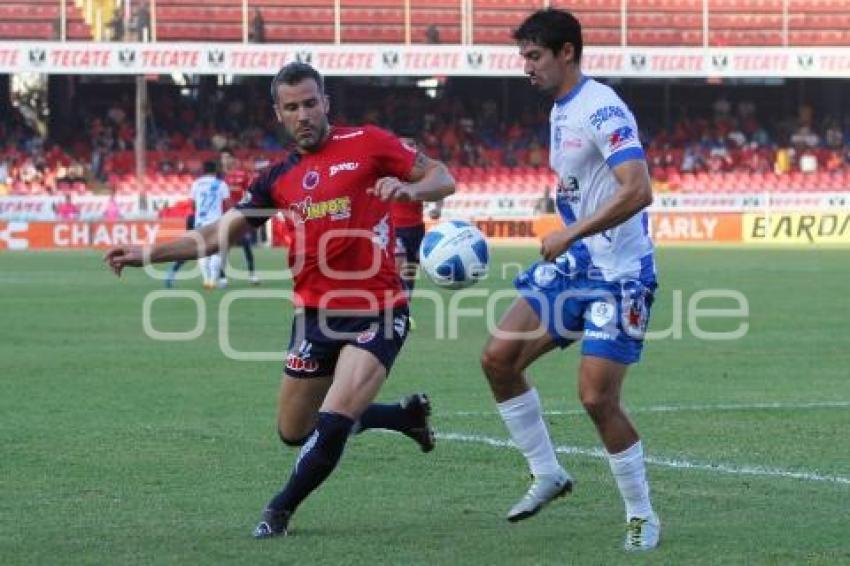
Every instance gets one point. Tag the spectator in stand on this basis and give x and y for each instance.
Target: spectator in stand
(834, 137)
(67, 210)
(116, 25)
(804, 137)
(258, 27)
(834, 161)
(536, 156)
(692, 160)
(141, 22)
(808, 161)
(432, 34)
(782, 160)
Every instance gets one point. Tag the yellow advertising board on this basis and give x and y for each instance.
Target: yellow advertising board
(799, 228)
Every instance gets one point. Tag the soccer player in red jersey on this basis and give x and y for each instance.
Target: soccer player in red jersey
(351, 312)
(238, 180)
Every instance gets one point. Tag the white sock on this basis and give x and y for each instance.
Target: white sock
(205, 269)
(215, 267)
(523, 416)
(629, 470)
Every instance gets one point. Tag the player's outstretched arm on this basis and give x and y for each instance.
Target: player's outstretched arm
(192, 245)
(429, 180)
(634, 194)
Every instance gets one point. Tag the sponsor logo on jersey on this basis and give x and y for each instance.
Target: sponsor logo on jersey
(336, 209)
(366, 336)
(636, 316)
(310, 180)
(409, 146)
(347, 166)
(348, 135)
(572, 143)
(295, 362)
(601, 313)
(544, 274)
(606, 113)
(568, 190)
(400, 325)
(620, 137)
(381, 232)
(597, 335)
(563, 141)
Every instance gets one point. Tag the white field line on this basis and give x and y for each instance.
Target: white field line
(680, 464)
(682, 408)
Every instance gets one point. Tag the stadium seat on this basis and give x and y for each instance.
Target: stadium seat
(746, 6)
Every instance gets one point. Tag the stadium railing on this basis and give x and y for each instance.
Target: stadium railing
(709, 23)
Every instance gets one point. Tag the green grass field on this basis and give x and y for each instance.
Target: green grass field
(115, 448)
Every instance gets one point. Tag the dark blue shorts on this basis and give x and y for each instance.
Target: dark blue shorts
(407, 242)
(318, 337)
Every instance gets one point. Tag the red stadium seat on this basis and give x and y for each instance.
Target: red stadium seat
(746, 6)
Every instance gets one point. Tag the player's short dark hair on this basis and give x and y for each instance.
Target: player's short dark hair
(293, 73)
(552, 29)
(210, 167)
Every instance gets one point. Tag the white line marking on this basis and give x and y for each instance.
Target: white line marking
(683, 408)
(680, 464)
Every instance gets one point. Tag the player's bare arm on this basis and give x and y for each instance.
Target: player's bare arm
(430, 181)
(634, 194)
(437, 211)
(194, 244)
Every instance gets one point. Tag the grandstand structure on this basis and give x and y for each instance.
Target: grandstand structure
(709, 23)
(702, 40)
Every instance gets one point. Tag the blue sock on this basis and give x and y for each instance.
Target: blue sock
(249, 256)
(389, 417)
(318, 458)
(175, 267)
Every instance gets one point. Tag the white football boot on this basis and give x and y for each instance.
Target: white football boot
(643, 534)
(544, 489)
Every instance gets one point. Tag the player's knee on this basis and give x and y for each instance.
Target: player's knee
(292, 440)
(495, 362)
(598, 404)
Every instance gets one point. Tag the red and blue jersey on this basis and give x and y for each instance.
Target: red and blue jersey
(342, 254)
(238, 180)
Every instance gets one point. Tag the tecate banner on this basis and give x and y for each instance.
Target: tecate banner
(411, 60)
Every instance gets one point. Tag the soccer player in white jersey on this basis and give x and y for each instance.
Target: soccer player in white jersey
(210, 193)
(595, 283)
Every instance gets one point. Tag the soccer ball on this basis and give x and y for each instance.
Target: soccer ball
(454, 254)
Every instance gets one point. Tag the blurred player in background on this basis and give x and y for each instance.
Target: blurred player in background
(238, 180)
(348, 329)
(209, 193)
(595, 284)
(409, 227)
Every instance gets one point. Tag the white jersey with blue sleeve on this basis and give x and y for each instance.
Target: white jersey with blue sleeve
(593, 131)
(209, 193)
